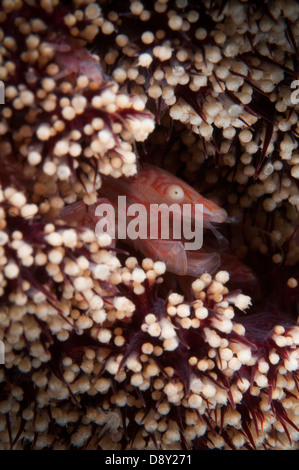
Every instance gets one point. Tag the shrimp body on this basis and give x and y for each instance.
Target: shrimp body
(74, 59)
(154, 186)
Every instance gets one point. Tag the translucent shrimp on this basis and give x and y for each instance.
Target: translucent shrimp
(154, 186)
(74, 59)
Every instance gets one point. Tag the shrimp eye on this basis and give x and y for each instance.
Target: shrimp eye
(175, 192)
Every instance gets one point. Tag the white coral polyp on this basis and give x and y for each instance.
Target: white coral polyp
(141, 128)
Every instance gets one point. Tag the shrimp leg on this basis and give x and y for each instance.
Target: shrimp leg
(171, 252)
(178, 260)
